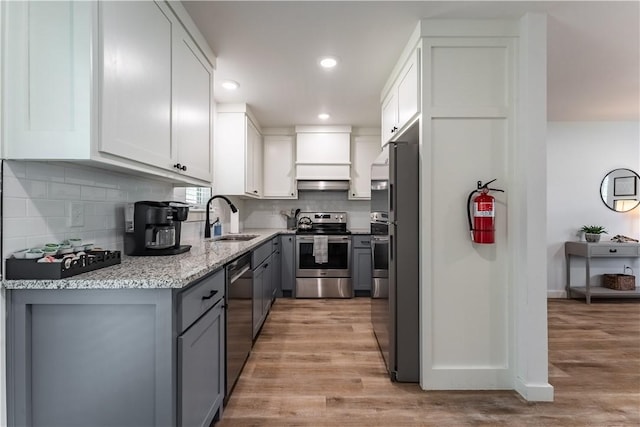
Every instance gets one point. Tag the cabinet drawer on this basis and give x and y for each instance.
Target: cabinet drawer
(260, 254)
(198, 298)
(362, 241)
(612, 250)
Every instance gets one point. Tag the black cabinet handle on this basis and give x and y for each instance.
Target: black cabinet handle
(292, 194)
(211, 294)
(180, 167)
(255, 191)
(613, 251)
(366, 242)
(266, 265)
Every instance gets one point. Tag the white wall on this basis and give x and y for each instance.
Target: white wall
(579, 155)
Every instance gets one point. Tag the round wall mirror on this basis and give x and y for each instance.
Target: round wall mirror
(619, 190)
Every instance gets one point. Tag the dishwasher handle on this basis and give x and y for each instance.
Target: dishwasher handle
(235, 276)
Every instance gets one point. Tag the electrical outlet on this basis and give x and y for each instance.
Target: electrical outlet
(76, 214)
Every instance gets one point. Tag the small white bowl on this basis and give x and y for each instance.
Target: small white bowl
(20, 254)
(75, 242)
(34, 253)
(88, 246)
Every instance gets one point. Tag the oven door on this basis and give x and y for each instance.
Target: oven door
(338, 258)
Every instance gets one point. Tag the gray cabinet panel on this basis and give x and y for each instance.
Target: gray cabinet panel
(200, 362)
(288, 266)
(276, 276)
(90, 357)
(258, 283)
(362, 269)
(199, 297)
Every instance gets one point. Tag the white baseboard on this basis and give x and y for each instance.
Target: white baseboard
(556, 294)
(535, 392)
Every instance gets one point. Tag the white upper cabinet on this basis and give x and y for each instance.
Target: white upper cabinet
(364, 150)
(192, 109)
(120, 84)
(136, 81)
(237, 152)
(253, 169)
(403, 99)
(279, 167)
(323, 152)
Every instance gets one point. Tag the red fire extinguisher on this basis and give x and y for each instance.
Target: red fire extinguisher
(482, 228)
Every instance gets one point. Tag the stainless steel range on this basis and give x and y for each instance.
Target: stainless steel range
(323, 260)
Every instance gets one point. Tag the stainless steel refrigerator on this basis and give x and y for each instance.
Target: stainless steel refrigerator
(395, 247)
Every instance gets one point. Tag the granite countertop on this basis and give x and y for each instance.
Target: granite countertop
(157, 272)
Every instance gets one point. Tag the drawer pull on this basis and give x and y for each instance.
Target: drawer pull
(365, 242)
(613, 251)
(211, 294)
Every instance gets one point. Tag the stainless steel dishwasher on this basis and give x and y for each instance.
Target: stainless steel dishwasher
(239, 321)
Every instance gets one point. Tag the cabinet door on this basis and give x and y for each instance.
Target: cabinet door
(362, 269)
(267, 287)
(279, 167)
(365, 150)
(47, 80)
(135, 48)
(258, 283)
(408, 90)
(201, 369)
(276, 286)
(288, 266)
(389, 116)
(253, 161)
(192, 96)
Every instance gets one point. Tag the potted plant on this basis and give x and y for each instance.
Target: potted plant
(592, 232)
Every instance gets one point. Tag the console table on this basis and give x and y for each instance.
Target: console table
(599, 250)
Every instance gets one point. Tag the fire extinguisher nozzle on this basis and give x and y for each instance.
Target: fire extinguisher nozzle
(472, 239)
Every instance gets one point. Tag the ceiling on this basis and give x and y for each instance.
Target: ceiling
(272, 48)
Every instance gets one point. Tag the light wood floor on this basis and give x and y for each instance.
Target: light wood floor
(316, 363)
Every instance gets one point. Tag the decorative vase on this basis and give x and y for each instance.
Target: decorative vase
(591, 237)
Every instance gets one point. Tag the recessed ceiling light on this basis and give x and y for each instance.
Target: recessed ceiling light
(328, 62)
(230, 85)
(323, 116)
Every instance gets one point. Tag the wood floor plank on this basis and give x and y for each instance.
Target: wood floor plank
(316, 363)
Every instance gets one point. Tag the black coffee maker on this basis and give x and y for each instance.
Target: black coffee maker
(153, 228)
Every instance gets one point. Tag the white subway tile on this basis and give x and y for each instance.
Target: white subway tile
(58, 227)
(115, 195)
(46, 208)
(24, 188)
(45, 171)
(14, 208)
(14, 244)
(79, 176)
(15, 169)
(64, 191)
(93, 193)
(24, 227)
(94, 223)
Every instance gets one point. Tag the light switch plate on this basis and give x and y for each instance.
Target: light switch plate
(76, 214)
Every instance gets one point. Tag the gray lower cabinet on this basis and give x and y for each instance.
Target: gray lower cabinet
(287, 264)
(361, 265)
(276, 276)
(116, 357)
(200, 369)
(261, 266)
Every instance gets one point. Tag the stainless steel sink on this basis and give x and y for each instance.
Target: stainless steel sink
(235, 238)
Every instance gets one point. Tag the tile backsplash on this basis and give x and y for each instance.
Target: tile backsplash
(266, 213)
(38, 197)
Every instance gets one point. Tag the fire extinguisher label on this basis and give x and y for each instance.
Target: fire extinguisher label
(484, 209)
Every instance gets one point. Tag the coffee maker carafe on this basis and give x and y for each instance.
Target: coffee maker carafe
(153, 228)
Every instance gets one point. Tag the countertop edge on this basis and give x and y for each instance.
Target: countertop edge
(206, 257)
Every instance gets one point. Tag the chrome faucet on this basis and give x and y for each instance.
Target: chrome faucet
(207, 223)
